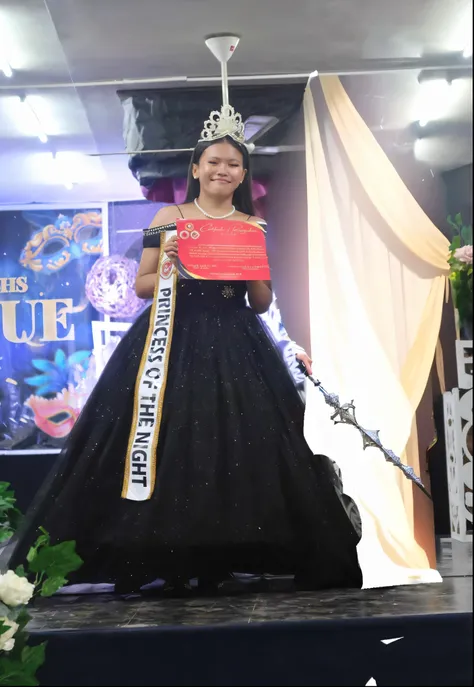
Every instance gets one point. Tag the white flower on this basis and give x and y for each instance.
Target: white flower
(15, 590)
(6, 639)
(464, 254)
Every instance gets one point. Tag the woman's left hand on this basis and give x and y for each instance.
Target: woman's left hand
(306, 360)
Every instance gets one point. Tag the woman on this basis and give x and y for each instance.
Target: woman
(236, 488)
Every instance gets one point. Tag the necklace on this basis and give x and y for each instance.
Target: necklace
(206, 214)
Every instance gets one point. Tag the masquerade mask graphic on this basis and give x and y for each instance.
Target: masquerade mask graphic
(55, 245)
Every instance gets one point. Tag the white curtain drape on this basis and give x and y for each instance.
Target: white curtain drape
(377, 277)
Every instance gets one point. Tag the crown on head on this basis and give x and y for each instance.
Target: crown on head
(227, 122)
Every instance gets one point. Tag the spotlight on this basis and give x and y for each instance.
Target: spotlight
(32, 122)
(5, 67)
(433, 99)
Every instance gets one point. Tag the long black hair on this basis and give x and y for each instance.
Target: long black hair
(242, 195)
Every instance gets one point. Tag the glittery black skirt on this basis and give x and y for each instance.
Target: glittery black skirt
(237, 488)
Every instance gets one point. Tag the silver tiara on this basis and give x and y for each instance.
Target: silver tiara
(227, 122)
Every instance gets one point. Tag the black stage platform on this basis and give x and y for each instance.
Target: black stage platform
(273, 638)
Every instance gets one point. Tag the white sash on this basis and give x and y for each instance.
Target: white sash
(140, 465)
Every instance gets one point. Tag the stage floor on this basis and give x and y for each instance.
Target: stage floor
(107, 611)
(410, 636)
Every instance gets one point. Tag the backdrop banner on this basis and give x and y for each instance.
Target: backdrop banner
(67, 298)
(46, 339)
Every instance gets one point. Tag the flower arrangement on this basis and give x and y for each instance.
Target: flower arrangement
(44, 573)
(460, 260)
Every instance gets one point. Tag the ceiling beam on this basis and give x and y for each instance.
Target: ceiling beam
(363, 67)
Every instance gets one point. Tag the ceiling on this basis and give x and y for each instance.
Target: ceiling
(59, 49)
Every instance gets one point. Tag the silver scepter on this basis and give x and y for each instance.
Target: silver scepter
(345, 414)
(223, 46)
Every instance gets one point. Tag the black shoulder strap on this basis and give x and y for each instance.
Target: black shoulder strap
(180, 211)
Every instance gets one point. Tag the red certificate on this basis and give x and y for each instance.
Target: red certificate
(222, 250)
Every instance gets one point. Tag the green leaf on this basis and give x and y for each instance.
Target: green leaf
(18, 678)
(57, 561)
(52, 585)
(11, 671)
(20, 571)
(43, 540)
(15, 517)
(7, 497)
(32, 658)
(5, 487)
(6, 491)
(466, 233)
(10, 516)
(12, 674)
(453, 225)
(455, 243)
(5, 534)
(5, 505)
(458, 219)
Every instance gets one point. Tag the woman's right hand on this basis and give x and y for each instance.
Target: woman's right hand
(171, 249)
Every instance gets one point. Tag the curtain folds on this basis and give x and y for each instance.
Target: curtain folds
(377, 279)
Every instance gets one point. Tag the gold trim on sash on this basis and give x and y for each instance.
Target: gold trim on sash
(166, 281)
(161, 397)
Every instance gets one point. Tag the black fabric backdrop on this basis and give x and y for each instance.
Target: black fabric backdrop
(174, 118)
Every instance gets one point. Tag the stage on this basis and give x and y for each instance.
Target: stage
(272, 637)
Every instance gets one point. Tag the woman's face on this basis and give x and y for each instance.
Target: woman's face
(220, 170)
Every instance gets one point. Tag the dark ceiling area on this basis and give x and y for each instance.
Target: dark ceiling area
(171, 119)
(70, 57)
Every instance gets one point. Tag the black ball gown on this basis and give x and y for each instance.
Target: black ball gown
(237, 488)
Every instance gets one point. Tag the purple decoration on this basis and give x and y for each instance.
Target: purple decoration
(172, 191)
(110, 286)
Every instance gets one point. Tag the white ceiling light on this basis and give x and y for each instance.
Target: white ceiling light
(5, 49)
(5, 67)
(433, 101)
(31, 123)
(467, 30)
(64, 169)
(459, 34)
(72, 168)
